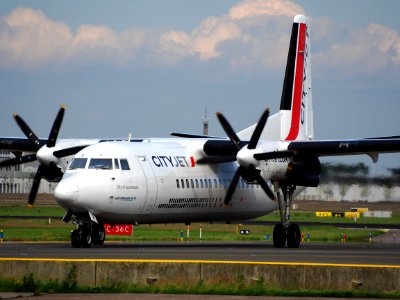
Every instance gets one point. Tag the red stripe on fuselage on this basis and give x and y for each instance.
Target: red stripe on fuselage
(192, 161)
(298, 84)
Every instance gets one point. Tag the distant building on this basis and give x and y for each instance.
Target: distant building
(19, 178)
(355, 192)
(205, 123)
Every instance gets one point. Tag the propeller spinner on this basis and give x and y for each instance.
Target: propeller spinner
(245, 157)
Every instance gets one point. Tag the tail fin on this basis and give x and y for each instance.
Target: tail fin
(295, 118)
(296, 103)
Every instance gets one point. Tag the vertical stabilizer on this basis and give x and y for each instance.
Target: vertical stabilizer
(296, 102)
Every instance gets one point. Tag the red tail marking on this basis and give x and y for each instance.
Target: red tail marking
(298, 84)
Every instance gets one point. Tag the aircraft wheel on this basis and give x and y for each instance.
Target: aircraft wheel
(86, 238)
(76, 241)
(99, 234)
(279, 236)
(293, 236)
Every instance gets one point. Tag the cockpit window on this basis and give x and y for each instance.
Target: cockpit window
(101, 163)
(124, 164)
(78, 163)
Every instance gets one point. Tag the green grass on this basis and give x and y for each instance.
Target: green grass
(35, 211)
(41, 230)
(35, 229)
(27, 229)
(297, 216)
(69, 284)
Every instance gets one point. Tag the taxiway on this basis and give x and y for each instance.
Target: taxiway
(314, 253)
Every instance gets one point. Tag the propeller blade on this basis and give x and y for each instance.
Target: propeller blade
(229, 130)
(35, 186)
(51, 142)
(260, 180)
(271, 155)
(265, 186)
(68, 151)
(18, 160)
(27, 131)
(232, 187)
(210, 160)
(258, 130)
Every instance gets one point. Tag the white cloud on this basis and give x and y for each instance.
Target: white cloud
(366, 50)
(204, 40)
(253, 8)
(386, 41)
(210, 34)
(241, 30)
(253, 33)
(29, 38)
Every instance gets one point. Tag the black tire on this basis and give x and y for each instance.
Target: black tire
(86, 238)
(279, 236)
(99, 234)
(293, 236)
(76, 241)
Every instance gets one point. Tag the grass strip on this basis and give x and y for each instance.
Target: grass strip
(56, 230)
(8, 210)
(239, 287)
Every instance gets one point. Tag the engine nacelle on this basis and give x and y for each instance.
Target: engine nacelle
(304, 172)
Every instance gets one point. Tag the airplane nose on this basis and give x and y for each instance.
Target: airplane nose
(66, 192)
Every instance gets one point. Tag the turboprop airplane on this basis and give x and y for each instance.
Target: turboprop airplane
(193, 178)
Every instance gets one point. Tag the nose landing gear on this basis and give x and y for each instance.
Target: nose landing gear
(285, 231)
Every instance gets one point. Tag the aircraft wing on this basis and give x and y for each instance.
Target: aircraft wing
(369, 146)
(14, 144)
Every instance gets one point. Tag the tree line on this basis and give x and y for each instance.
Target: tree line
(358, 173)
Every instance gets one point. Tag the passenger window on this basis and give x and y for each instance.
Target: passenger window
(124, 164)
(101, 163)
(116, 163)
(191, 181)
(78, 163)
(177, 183)
(197, 183)
(182, 183)
(205, 183)
(201, 183)
(187, 183)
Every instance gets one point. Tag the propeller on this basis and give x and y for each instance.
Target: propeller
(245, 156)
(47, 154)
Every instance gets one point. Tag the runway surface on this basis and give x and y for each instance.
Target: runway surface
(324, 253)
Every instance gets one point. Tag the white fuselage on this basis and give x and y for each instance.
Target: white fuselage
(164, 184)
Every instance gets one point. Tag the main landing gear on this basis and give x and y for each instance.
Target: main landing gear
(87, 234)
(285, 231)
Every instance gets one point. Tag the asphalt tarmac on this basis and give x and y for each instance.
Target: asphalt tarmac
(315, 253)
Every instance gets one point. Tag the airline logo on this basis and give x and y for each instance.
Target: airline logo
(173, 161)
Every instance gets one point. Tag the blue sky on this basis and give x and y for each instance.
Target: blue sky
(151, 67)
